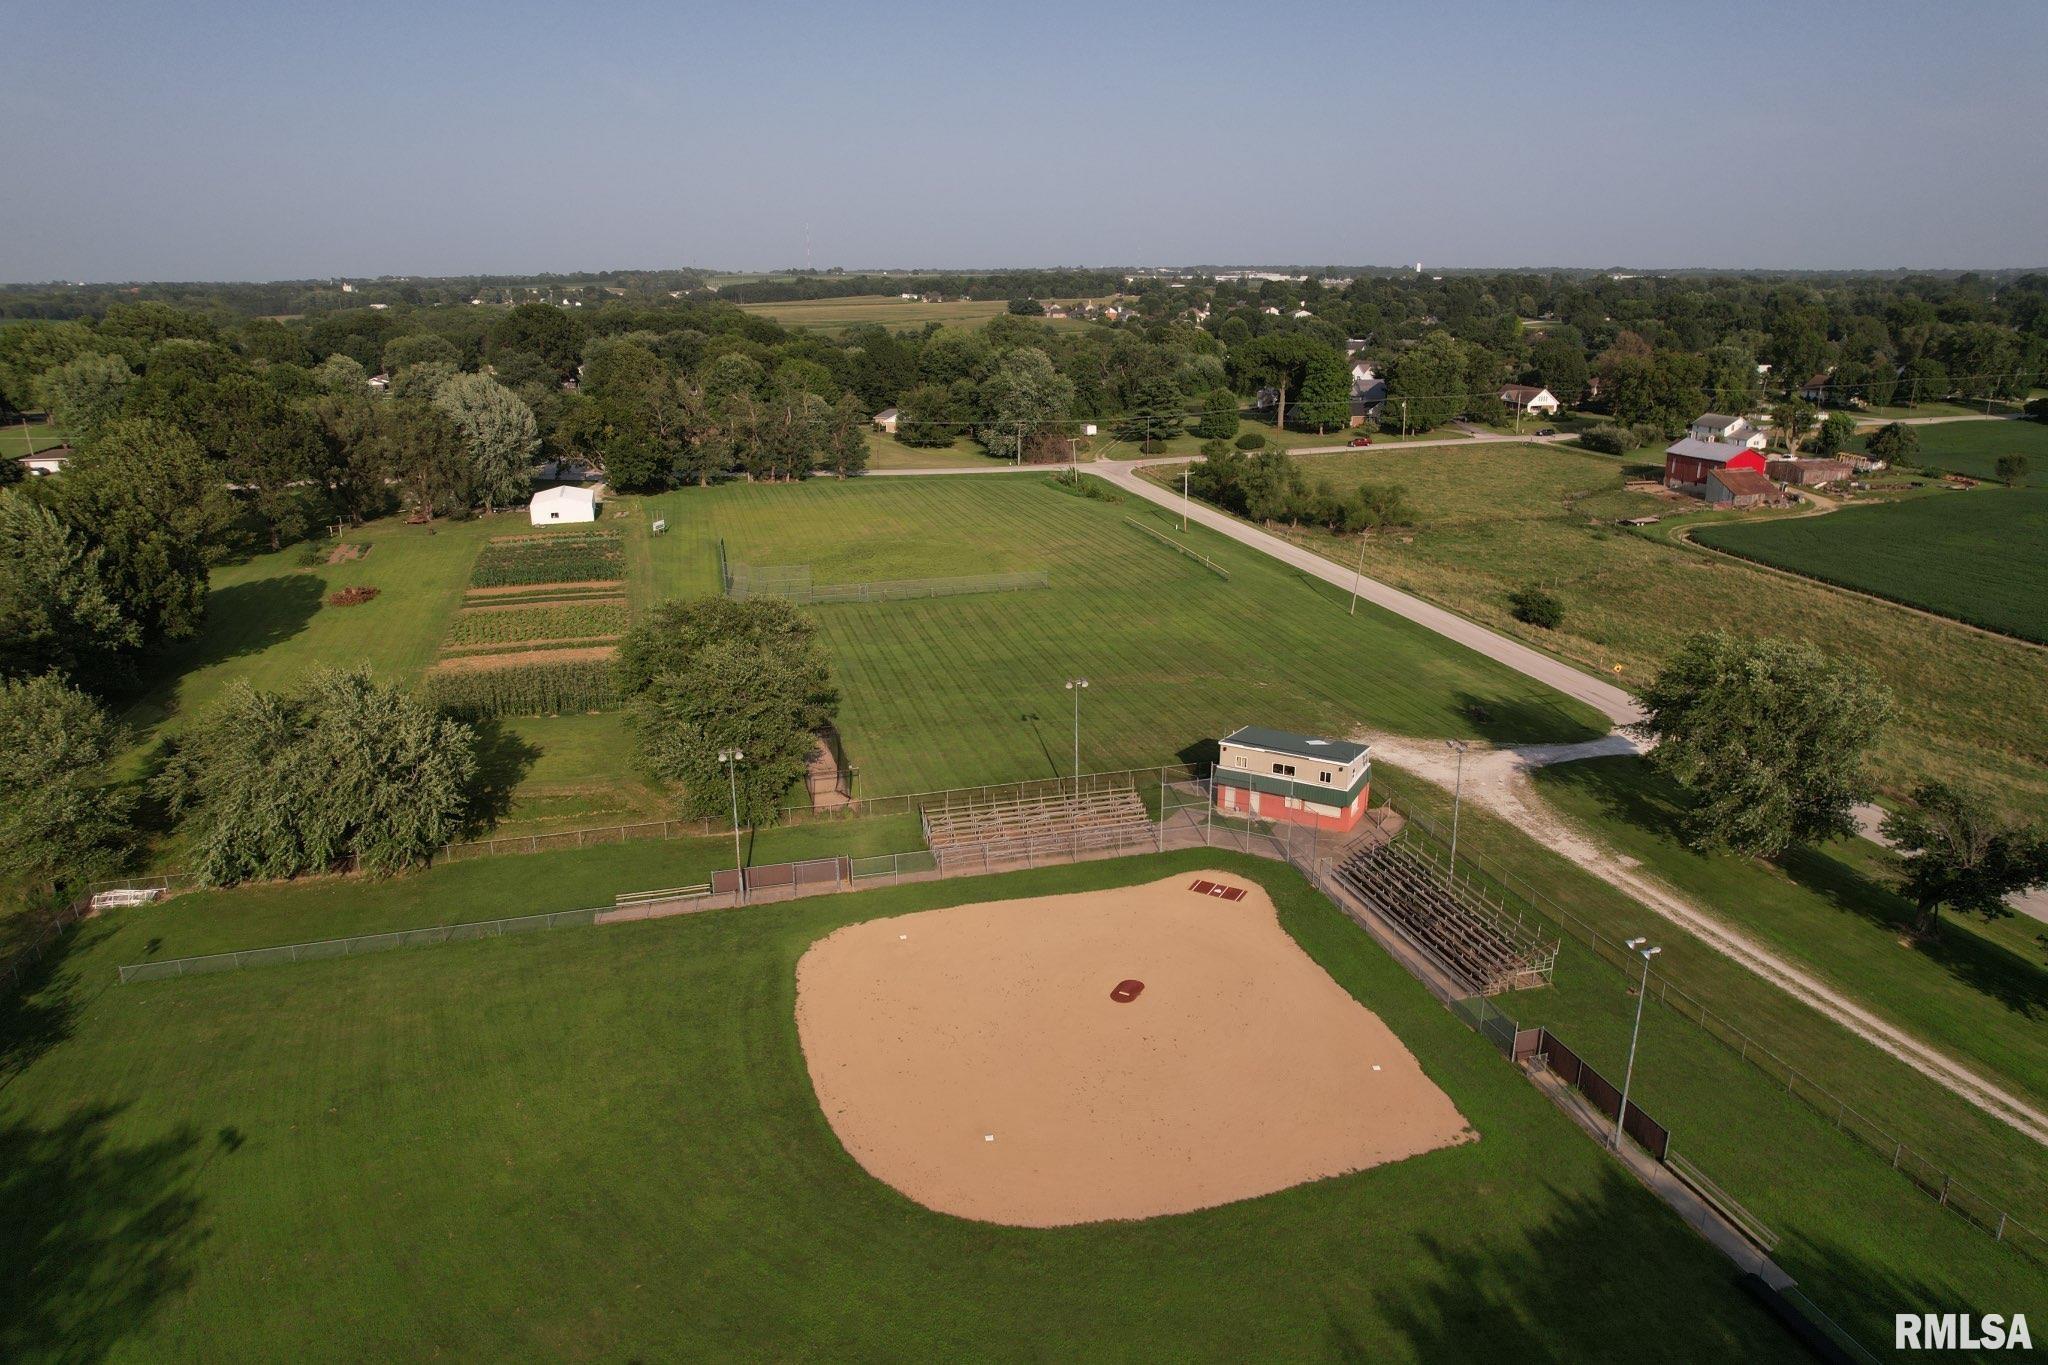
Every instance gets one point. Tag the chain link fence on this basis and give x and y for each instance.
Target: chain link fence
(356, 946)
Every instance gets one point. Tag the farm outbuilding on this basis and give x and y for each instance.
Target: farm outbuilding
(1811, 473)
(1274, 775)
(1740, 488)
(555, 506)
(1687, 463)
(885, 421)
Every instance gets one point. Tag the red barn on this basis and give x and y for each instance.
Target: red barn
(1688, 462)
(1273, 775)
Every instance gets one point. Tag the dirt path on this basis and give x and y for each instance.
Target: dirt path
(1498, 780)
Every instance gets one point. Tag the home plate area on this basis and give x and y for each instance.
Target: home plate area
(1125, 1053)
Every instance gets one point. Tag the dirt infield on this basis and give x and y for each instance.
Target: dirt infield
(974, 1058)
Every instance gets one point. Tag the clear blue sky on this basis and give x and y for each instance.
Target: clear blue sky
(257, 141)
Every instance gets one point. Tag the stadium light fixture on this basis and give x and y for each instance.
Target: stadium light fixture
(1628, 1077)
(730, 760)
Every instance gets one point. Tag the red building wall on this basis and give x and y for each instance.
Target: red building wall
(1686, 469)
(1238, 801)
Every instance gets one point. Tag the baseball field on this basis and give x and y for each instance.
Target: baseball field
(607, 1144)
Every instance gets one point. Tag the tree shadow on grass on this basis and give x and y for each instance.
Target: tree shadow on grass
(503, 759)
(241, 619)
(1522, 720)
(39, 1006)
(97, 1232)
(1610, 1274)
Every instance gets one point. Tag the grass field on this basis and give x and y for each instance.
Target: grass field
(1973, 448)
(1978, 993)
(1495, 518)
(886, 452)
(963, 690)
(836, 315)
(1980, 557)
(603, 1144)
(26, 438)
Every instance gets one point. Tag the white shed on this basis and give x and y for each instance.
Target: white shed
(552, 506)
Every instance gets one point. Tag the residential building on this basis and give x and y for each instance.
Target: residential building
(1715, 426)
(1277, 776)
(885, 421)
(44, 463)
(1530, 399)
(1818, 388)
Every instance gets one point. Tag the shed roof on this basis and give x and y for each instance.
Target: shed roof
(565, 493)
(1744, 483)
(1298, 746)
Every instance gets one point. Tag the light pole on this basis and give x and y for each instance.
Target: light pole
(1183, 499)
(1358, 574)
(1458, 747)
(1077, 686)
(730, 760)
(1630, 1074)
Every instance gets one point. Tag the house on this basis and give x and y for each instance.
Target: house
(885, 421)
(1810, 473)
(1301, 313)
(1270, 310)
(555, 506)
(1266, 399)
(379, 382)
(1687, 463)
(1362, 372)
(44, 463)
(1367, 400)
(1530, 399)
(1739, 488)
(1087, 428)
(1817, 387)
(1715, 426)
(1273, 775)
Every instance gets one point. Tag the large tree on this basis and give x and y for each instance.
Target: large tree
(341, 773)
(715, 674)
(1894, 443)
(1767, 735)
(499, 433)
(547, 334)
(1219, 419)
(1426, 382)
(60, 819)
(1152, 414)
(1026, 398)
(85, 393)
(1325, 401)
(1959, 854)
(58, 609)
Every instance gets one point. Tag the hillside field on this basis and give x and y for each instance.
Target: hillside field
(836, 315)
(1494, 518)
(1980, 557)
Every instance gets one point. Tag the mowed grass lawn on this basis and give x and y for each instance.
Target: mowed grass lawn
(955, 691)
(1979, 993)
(1980, 557)
(603, 1144)
(1973, 448)
(1494, 518)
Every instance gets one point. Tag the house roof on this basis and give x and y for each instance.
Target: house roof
(885, 414)
(1744, 482)
(1369, 391)
(1717, 421)
(1522, 393)
(1712, 452)
(1818, 381)
(1337, 751)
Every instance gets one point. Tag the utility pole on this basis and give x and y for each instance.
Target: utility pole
(1404, 417)
(1635, 1033)
(730, 758)
(1457, 802)
(1183, 499)
(1358, 575)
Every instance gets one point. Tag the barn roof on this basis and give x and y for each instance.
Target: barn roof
(1711, 452)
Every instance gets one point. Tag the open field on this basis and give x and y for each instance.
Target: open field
(836, 315)
(1495, 518)
(961, 690)
(1980, 557)
(886, 452)
(1976, 992)
(26, 438)
(603, 1144)
(1973, 448)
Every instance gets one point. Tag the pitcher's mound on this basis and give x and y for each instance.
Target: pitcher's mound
(976, 1058)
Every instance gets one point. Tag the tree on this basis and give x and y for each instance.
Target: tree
(59, 818)
(1793, 418)
(419, 348)
(57, 609)
(29, 350)
(341, 374)
(1559, 364)
(924, 418)
(1028, 308)
(1958, 854)
(1426, 382)
(422, 380)
(1219, 419)
(85, 393)
(497, 430)
(1152, 414)
(2012, 470)
(1767, 735)
(1279, 359)
(846, 444)
(422, 450)
(271, 448)
(157, 513)
(718, 674)
(1894, 443)
(1536, 607)
(1025, 396)
(1833, 435)
(548, 334)
(341, 773)
(1325, 401)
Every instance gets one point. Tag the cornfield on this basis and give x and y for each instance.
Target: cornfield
(480, 628)
(524, 689)
(549, 559)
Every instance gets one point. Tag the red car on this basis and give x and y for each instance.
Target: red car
(1361, 440)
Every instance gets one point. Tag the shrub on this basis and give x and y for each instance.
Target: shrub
(1251, 440)
(2012, 470)
(530, 688)
(1535, 607)
(1606, 440)
(1215, 450)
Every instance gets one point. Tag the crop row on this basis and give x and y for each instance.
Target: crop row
(599, 619)
(560, 559)
(529, 688)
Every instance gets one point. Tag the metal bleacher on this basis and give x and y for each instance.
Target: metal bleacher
(1483, 952)
(1044, 825)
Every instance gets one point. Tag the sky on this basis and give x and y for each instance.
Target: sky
(285, 140)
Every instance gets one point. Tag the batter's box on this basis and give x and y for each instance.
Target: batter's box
(1218, 890)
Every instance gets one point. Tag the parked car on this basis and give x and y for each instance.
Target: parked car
(1548, 431)
(1361, 440)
